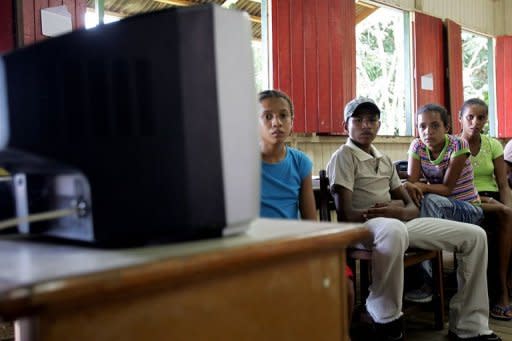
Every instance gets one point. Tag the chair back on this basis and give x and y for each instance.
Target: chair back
(325, 201)
(401, 168)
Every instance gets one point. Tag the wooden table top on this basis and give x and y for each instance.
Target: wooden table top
(35, 273)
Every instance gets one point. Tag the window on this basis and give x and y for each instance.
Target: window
(91, 19)
(258, 65)
(383, 64)
(477, 71)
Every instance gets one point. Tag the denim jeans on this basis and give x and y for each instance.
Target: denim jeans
(438, 206)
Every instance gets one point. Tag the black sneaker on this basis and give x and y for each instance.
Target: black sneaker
(392, 331)
(491, 337)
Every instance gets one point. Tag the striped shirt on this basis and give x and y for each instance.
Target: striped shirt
(434, 170)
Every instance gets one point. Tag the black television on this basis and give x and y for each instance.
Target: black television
(149, 123)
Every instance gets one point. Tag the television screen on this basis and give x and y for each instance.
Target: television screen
(157, 111)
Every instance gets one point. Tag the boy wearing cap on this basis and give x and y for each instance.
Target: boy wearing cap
(363, 183)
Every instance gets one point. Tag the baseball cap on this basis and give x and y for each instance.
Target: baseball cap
(507, 152)
(351, 106)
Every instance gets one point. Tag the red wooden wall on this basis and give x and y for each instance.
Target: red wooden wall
(504, 85)
(31, 13)
(429, 59)
(6, 25)
(313, 55)
(455, 86)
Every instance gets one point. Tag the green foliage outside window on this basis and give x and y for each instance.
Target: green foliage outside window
(380, 66)
(475, 71)
(475, 58)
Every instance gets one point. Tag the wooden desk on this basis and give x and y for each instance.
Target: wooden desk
(282, 280)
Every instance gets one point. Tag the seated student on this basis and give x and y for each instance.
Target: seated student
(491, 182)
(286, 188)
(443, 161)
(429, 158)
(363, 182)
(507, 155)
(286, 184)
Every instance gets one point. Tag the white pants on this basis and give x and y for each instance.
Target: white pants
(469, 307)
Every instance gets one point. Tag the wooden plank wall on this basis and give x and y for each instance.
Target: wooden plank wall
(31, 16)
(313, 48)
(320, 148)
(6, 26)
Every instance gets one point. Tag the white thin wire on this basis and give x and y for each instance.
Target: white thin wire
(4, 224)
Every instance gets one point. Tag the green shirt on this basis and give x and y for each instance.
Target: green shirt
(483, 166)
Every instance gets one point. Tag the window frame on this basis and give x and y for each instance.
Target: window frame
(408, 74)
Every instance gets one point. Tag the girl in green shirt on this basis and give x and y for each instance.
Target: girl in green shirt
(490, 177)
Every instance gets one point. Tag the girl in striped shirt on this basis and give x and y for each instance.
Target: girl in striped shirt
(440, 175)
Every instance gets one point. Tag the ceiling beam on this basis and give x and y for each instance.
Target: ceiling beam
(177, 2)
(228, 3)
(363, 12)
(254, 18)
(362, 3)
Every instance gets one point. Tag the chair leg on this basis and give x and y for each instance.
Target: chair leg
(438, 292)
(351, 262)
(365, 278)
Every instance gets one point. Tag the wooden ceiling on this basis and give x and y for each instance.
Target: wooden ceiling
(363, 10)
(126, 8)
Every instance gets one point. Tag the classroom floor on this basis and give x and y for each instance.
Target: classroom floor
(419, 328)
(6, 331)
(419, 321)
